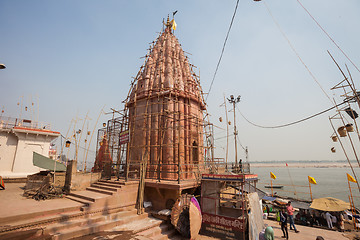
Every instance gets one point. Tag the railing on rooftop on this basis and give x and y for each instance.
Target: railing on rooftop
(180, 172)
(9, 123)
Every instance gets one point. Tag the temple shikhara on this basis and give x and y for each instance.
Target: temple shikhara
(162, 128)
(166, 113)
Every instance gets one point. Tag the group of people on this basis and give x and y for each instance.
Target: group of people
(331, 220)
(287, 214)
(308, 218)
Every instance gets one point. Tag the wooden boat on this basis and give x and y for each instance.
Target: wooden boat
(276, 187)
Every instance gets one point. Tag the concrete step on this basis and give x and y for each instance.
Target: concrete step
(9, 221)
(88, 195)
(100, 190)
(107, 185)
(87, 220)
(120, 182)
(142, 225)
(41, 220)
(112, 182)
(156, 231)
(80, 200)
(169, 234)
(111, 222)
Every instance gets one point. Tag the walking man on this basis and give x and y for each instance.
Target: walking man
(290, 211)
(283, 220)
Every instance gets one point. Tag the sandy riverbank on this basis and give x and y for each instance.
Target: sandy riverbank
(301, 165)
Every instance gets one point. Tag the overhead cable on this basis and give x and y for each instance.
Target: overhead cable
(328, 36)
(294, 50)
(292, 123)
(79, 145)
(222, 51)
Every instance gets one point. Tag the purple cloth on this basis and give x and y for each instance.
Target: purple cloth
(196, 203)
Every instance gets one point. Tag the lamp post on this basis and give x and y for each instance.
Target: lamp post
(234, 101)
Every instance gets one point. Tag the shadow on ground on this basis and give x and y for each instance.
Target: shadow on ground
(115, 235)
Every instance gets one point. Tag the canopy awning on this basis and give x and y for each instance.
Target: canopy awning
(300, 204)
(47, 163)
(269, 198)
(329, 204)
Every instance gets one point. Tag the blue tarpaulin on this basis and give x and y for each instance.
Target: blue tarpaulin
(268, 198)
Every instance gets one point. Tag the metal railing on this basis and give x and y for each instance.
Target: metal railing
(9, 123)
(176, 172)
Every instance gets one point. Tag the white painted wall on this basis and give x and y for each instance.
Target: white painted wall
(8, 143)
(16, 151)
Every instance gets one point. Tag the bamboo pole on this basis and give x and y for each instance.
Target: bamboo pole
(227, 134)
(352, 212)
(87, 151)
(292, 183)
(352, 199)
(351, 142)
(310, 191)
(82, 130)
(347, 157)
(272, 193)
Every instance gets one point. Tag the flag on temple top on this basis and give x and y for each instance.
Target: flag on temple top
(350, 178)
(173, 24)
(272, 175)
(312, 180)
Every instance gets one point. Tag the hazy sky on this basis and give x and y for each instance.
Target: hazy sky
(77, 56)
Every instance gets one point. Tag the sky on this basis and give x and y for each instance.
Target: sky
(75, 57)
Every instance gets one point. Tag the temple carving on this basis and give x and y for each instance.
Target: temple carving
(166, 114)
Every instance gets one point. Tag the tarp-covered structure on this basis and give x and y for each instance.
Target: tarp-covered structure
(329, 204)
(47, 163)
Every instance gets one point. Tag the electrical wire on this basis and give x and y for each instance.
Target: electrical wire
(223, 49)
(79, 145)
(328, 35)
(292, 123)
(294, 50)
(237, 136)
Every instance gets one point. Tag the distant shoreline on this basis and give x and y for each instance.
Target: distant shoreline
(303, 165)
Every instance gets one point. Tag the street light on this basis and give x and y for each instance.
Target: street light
(234, 101)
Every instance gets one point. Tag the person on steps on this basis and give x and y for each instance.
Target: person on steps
(283, 220)
(290, 211)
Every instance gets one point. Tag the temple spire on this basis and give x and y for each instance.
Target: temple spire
(170, 24)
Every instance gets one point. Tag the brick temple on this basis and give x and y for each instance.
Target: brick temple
(166, 113)
(160, 136)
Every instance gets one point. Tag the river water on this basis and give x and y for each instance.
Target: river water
(331, 182)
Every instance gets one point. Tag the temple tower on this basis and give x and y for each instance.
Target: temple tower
(166, 114)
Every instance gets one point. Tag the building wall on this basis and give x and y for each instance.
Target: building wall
(8, 143)
(27, 144)
(16, 152)
(170, 128)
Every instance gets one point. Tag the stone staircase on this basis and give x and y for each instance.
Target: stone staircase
(105, 197)
(108, 211)
(140, 227)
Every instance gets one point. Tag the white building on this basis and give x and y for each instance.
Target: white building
(19, 138)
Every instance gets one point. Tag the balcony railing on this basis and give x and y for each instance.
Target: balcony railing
(9, 123)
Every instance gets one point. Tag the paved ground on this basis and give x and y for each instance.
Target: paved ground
(13, 203)
(306, 233)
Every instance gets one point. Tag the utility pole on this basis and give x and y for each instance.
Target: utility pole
(234, 101)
